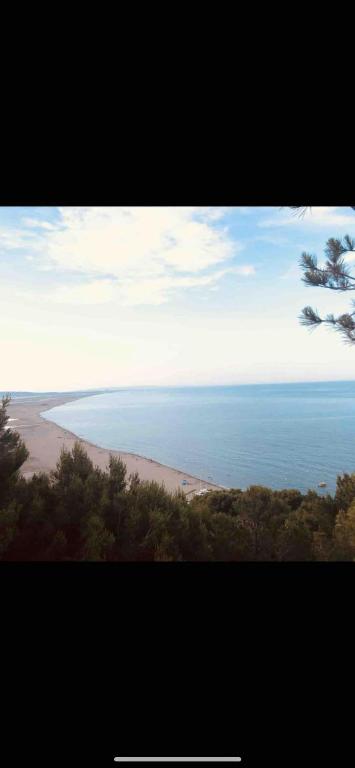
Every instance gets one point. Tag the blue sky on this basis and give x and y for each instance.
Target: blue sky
(96, 297)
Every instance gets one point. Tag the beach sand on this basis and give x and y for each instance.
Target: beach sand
(45, 440)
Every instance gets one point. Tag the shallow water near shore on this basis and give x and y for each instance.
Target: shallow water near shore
(279, 435)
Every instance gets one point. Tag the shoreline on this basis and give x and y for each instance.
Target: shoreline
(45, 440)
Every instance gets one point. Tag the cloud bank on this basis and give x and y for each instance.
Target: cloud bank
(131, 255)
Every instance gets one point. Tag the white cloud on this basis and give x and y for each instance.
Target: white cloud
(132, 254)
(246, 269)
(96, 292)
(12, 238)
(38, 224)
(122, 240)
(325, 216)
(131, 292)
(158, 291)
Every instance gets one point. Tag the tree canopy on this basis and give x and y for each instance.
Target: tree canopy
(13, 451)
(78, 512)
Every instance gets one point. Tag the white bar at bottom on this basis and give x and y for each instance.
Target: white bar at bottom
(178, 759)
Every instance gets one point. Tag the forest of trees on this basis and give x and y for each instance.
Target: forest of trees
(78, 512)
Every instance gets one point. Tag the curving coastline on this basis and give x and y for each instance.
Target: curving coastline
(45, 440)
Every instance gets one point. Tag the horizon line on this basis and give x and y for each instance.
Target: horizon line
(116, 388)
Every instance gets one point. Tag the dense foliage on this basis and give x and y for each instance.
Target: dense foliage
(13, 453)
(79, 512)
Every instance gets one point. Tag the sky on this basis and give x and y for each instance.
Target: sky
(95, 297)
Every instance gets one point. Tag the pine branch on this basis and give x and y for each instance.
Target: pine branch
(336, 273)
(349, 242)
(301, 209)
(310, 317)
(344, 324)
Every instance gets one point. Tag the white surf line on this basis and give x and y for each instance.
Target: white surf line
(178, 759)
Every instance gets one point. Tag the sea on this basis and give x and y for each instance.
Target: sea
(278, 435)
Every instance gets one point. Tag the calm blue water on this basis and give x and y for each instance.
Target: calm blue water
(279, 435)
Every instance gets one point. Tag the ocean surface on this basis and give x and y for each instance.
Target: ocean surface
(279, 435)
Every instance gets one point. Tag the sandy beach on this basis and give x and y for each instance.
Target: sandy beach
(45, 440)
